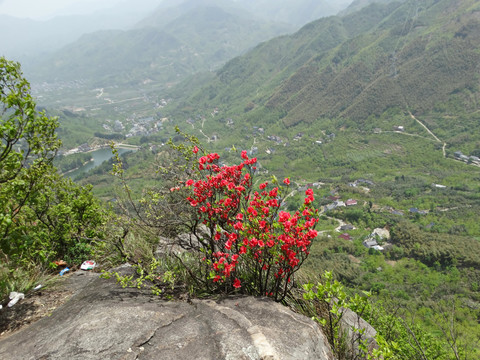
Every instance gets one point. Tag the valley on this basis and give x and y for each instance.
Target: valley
(377, 109)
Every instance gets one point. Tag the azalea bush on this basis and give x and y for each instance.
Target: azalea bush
(225, 229)
(247, 242)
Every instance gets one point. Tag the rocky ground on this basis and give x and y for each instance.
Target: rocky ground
(42, 303)
(85, 317)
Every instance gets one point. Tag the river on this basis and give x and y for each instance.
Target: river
(99, 156)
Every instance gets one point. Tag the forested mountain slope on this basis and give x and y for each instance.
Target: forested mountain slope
(413, 55)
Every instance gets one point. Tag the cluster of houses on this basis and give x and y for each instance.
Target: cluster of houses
(328, 137)
(344, 235)
(397, 128)
(141, 127)
(337, 203)
(275, 138)
(258, 130)
(298, 136)
(379, 234)
(361, 182)
(146, 126)
(371, 241)
(460, 156)
(80, 149)
(414, 210)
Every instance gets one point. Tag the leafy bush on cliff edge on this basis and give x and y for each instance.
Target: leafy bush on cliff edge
(43, 217)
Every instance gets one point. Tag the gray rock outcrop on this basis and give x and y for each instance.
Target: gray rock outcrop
(350, 321)
(104, 321)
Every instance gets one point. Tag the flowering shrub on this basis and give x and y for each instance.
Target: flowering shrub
(249, 243)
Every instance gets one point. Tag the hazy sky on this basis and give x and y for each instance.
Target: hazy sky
(44, 9)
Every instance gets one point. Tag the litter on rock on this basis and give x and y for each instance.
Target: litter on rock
(88, 265)
(15, 297)
(64, 271)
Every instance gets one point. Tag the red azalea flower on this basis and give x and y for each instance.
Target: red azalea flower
(238, 226)
(286, 181)
(284, 216)
(273, 193)
(237, 284)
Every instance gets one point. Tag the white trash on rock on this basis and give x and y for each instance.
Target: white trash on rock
(15, 297)
(88, 265)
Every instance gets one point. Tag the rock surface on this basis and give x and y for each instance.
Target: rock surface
(351, 320)
(104, 321)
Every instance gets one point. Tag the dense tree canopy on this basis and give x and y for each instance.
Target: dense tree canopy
(28, 145)
(42, 215)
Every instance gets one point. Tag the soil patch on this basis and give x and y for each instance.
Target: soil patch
(41, 303)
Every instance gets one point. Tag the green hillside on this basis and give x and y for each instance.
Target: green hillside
(414, 56)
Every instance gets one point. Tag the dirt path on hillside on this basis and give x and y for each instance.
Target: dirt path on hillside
(337, 229)
(431, 133)
(208, 139)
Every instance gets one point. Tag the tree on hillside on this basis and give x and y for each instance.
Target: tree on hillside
(28, 146)
(42, 215)
(28, 140)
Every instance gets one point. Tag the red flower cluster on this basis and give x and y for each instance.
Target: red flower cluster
(251, 240)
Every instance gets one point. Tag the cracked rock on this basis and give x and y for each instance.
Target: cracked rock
(104, 321)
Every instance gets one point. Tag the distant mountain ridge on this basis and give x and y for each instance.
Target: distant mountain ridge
(201, 37)
(357, 5)
(27, 38)
(296, 12)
